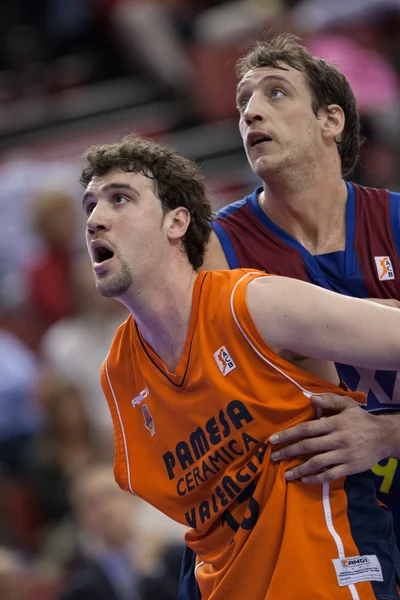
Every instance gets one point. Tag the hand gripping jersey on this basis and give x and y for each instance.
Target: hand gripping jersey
(368, 268)
(193, 443)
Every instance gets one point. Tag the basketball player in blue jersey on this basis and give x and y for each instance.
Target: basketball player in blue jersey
(301, 133)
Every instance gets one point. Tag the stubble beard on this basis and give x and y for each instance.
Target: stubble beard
(285, 168)
(270, 167)
(116, 285)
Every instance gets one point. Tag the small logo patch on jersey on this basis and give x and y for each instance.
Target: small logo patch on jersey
(140, 397)
(384, 267)
(356, 569)
(224, 361)
(148, 419)
(355, 562)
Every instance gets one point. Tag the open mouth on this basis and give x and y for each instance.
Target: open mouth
(102, 254)
(259, 140)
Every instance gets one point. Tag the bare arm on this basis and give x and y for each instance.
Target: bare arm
(303, 318)
(386, 302)
(214, 258)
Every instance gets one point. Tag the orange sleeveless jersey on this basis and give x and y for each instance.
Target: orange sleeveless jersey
(193, 444)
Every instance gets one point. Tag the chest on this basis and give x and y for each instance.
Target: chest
(367, 267)
(184, 436)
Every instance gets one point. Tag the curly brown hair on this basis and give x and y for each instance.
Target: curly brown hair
(327, 84)
(177, 182)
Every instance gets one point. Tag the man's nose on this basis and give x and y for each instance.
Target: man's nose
(253, 111)
(98, 219)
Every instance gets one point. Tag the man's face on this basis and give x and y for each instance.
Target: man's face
(277, 123)
(124, 232)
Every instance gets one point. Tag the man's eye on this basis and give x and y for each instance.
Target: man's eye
(277, 93)
(119, 199)
(242, 103)
(89, 208)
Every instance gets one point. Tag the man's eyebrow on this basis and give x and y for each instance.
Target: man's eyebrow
(272, 77)
(108, 187)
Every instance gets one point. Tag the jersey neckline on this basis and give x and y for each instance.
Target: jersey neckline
(308, 258)
(177, 378)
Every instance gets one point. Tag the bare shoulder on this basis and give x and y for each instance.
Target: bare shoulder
(266, 295)
(263, 296)
(286, 291)
(270, 287)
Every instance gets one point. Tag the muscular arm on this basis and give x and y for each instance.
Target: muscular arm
(310, 321)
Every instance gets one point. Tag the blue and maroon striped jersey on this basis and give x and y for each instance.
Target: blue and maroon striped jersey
(369, 267)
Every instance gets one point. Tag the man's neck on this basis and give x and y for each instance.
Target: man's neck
(162, 312)
(315, 215)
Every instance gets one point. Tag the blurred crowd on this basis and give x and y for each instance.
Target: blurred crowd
(66, 530)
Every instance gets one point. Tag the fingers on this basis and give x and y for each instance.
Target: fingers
(306, 446)
(334, 402)
(302, 430)
(318, 469)
(318, 427)
(336, 446)
(328, 475)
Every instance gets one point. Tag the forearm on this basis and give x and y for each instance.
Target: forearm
(391, 431)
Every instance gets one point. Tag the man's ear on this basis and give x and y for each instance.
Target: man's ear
(178, 222)
(333, 122)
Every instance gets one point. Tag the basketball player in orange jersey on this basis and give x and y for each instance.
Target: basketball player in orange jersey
(207, 367)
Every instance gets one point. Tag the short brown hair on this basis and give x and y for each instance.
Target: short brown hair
(177, 182)
(327, 84)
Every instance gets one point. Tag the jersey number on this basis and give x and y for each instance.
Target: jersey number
(386, 471)
(253, 508)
